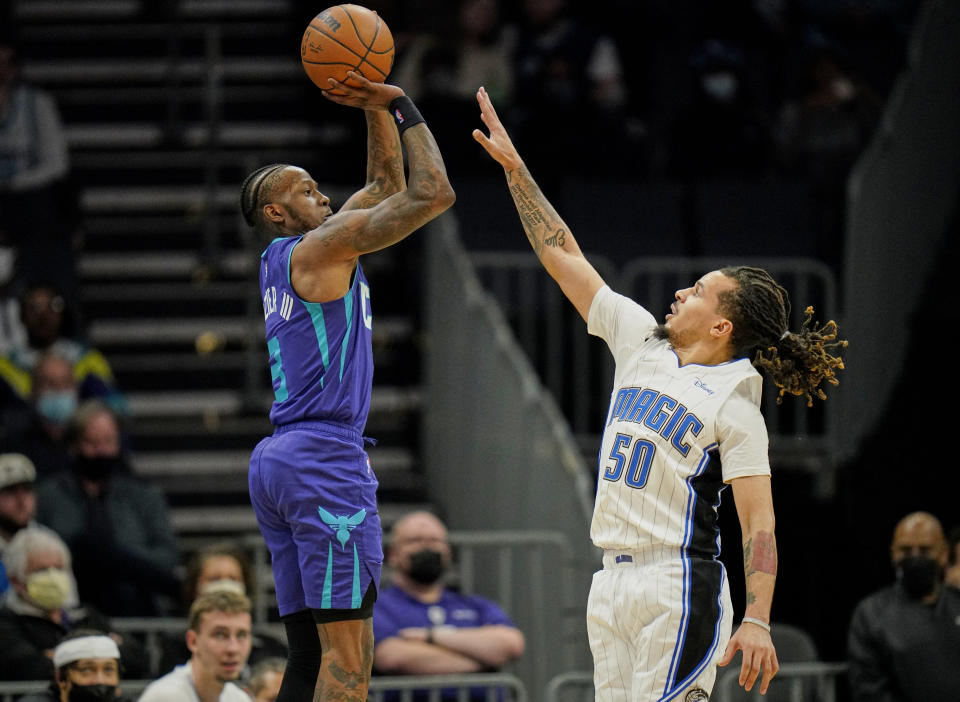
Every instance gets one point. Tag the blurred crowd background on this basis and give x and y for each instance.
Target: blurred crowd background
(128, 307)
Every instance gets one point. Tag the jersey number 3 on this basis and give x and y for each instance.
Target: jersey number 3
(630, 462)
(276, 369)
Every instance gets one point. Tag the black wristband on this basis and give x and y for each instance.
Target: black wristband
(405, 114)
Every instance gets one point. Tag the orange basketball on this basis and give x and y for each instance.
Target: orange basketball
(346, 38)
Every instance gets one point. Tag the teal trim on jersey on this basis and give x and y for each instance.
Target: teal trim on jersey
(327, 597)
(348, 308)
(271, 244)
(320, 327)
(357, 598)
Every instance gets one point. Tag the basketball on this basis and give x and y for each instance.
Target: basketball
(346, 38)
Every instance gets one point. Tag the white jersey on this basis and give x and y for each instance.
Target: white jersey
(177, 686)
(658, 489)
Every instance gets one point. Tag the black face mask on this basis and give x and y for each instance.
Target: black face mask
(99, 468)
(918, 575)
(9, 526)
(426, 566)
(92, 693)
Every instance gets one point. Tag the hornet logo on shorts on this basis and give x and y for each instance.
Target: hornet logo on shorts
(343, 524)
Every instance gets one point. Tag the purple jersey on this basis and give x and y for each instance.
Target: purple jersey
(396, 610)
(321, 357)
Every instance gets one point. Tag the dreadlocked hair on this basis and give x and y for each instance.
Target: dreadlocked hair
(255, 191)
(797, 362)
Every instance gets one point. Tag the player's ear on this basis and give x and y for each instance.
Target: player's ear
(273, 212)
(722, 328)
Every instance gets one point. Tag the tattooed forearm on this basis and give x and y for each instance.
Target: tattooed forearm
(540, 221)
(384, 152)
(760, 554)
(557, 239)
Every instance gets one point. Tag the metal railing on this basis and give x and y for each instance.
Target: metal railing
(11, 691)
(796, 682)
(814, 681)
(488, 687)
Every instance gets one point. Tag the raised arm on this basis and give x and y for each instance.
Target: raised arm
(754, 500)
(547, 233)
(323, 262)
(384, 162)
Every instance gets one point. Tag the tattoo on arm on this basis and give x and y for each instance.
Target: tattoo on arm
(760, 554)
(536, 214)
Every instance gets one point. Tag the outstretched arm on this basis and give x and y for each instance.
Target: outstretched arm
(384, 162)
(754, 500)
(547, 233)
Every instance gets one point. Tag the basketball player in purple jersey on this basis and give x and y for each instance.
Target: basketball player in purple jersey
(311, 484)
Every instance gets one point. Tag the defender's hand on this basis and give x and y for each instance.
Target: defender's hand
(367, 95)
(758, 652)
(498, 144)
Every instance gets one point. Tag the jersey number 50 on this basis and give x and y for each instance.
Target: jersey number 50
(632, 462)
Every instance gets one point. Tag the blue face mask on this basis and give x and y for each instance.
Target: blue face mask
(57, 407)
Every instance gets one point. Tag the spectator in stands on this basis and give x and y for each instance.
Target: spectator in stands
(821, 132)
(952, 575)
(35, 208)
(12, 333)
(441, 69)
(86, 669)
(18, 502)
(723, 132)
(566, 72)
(221, 566)
(41, 607)
(265, 679)
(50, 325)
(904, 642)
(219, 643)
(118, 526)
(38, 429)
(420, 625)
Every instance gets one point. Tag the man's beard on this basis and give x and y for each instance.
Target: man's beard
(677, 340)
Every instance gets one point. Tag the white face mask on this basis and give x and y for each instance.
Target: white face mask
(49, 588)
(720, 86)
(8, 260)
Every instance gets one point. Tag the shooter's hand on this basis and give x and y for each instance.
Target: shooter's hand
(367, 95)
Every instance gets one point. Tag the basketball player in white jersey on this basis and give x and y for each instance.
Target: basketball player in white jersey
(685, 394)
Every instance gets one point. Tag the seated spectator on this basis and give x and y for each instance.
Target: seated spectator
(952, 575)
(219, 566)
(722, 131)
(441, 71)
(86, 669)
(265, 679)
(904, 642)
(49, 321)
(219, 643)
(41, 607)
(117, 525)
(38, 429)
(18, 502)
(38, 207)
(566, 67)
(11, 328)
(420, 625)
